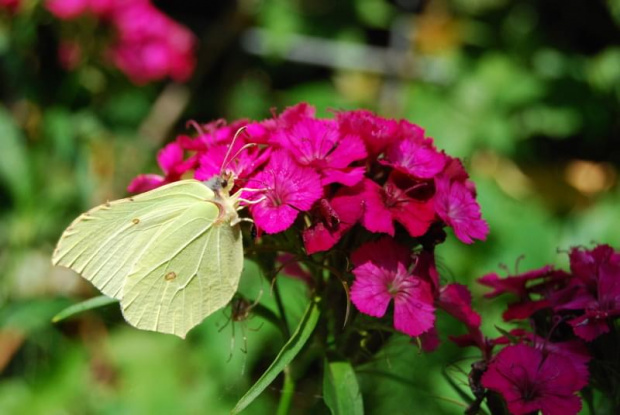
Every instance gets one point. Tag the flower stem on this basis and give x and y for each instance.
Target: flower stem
(288, 389)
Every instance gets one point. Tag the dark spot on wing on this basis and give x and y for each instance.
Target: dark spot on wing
(135, 221)
(170, 276)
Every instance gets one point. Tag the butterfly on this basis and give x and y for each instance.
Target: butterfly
(172, 256)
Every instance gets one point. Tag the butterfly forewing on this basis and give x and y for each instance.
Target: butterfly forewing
(190, 272)
(104, 244)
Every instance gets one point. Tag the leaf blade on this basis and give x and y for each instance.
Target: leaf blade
(288, 352)
(91, 303)
(341, 390)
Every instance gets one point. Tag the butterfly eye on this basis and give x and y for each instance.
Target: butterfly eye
(224, 183)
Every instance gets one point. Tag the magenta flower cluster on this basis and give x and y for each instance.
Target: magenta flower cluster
(147, 46)
(378, 180)
(543, 369)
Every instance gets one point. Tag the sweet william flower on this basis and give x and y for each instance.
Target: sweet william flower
(376, 132)
(391, 202)
(286, 189)
(332, 219)
(414, 154)
(381, 275)
(457, 207)
(318, 144)
(531, 381)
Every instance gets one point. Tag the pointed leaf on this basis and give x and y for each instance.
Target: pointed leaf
(340, 389)
(286, 355)
(78, 308)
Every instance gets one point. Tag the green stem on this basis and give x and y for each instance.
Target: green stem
(288, 389)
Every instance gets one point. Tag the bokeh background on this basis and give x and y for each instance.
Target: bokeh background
(525, 91)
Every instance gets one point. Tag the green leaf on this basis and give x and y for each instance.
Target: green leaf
(78, 308)
(340, 389)
(286, 355)
(14, 168)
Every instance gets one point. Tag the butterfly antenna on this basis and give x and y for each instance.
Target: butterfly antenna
(227, 160)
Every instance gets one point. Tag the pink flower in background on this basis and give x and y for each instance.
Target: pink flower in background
(12, 6)
(531, 381)
(381, 275)
(68, 9)
(457, 207)
(287, 188)
(148, 45)
(151, 46)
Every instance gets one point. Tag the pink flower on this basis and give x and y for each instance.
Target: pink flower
(151, 46)
(241, 163)
(531, 381)
(456, 206)
(381, 275)
(287, 189)
(266, 131)
(172, 162)
(11, 5)
(376, 132)
(414, 154)
(332, 220)
(67, 9)
(384, 205)
(515, 284)
(318, 144)
(455, 299)
(595, 291)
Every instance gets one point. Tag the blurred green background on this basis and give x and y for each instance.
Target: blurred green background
(525, 91)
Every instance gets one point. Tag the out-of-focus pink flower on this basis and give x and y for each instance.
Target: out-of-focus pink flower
(68, 9)
(318, 144)
(149, 46)
(531, 381)
(287, 188)
(457, 207)
(381, 275)
(12, 6)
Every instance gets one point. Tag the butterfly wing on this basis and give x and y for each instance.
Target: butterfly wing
(105, 243)
(192, 270)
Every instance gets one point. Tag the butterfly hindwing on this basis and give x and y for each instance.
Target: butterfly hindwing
(190, 272)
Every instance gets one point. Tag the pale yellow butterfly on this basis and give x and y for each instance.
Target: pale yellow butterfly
(172, 256)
